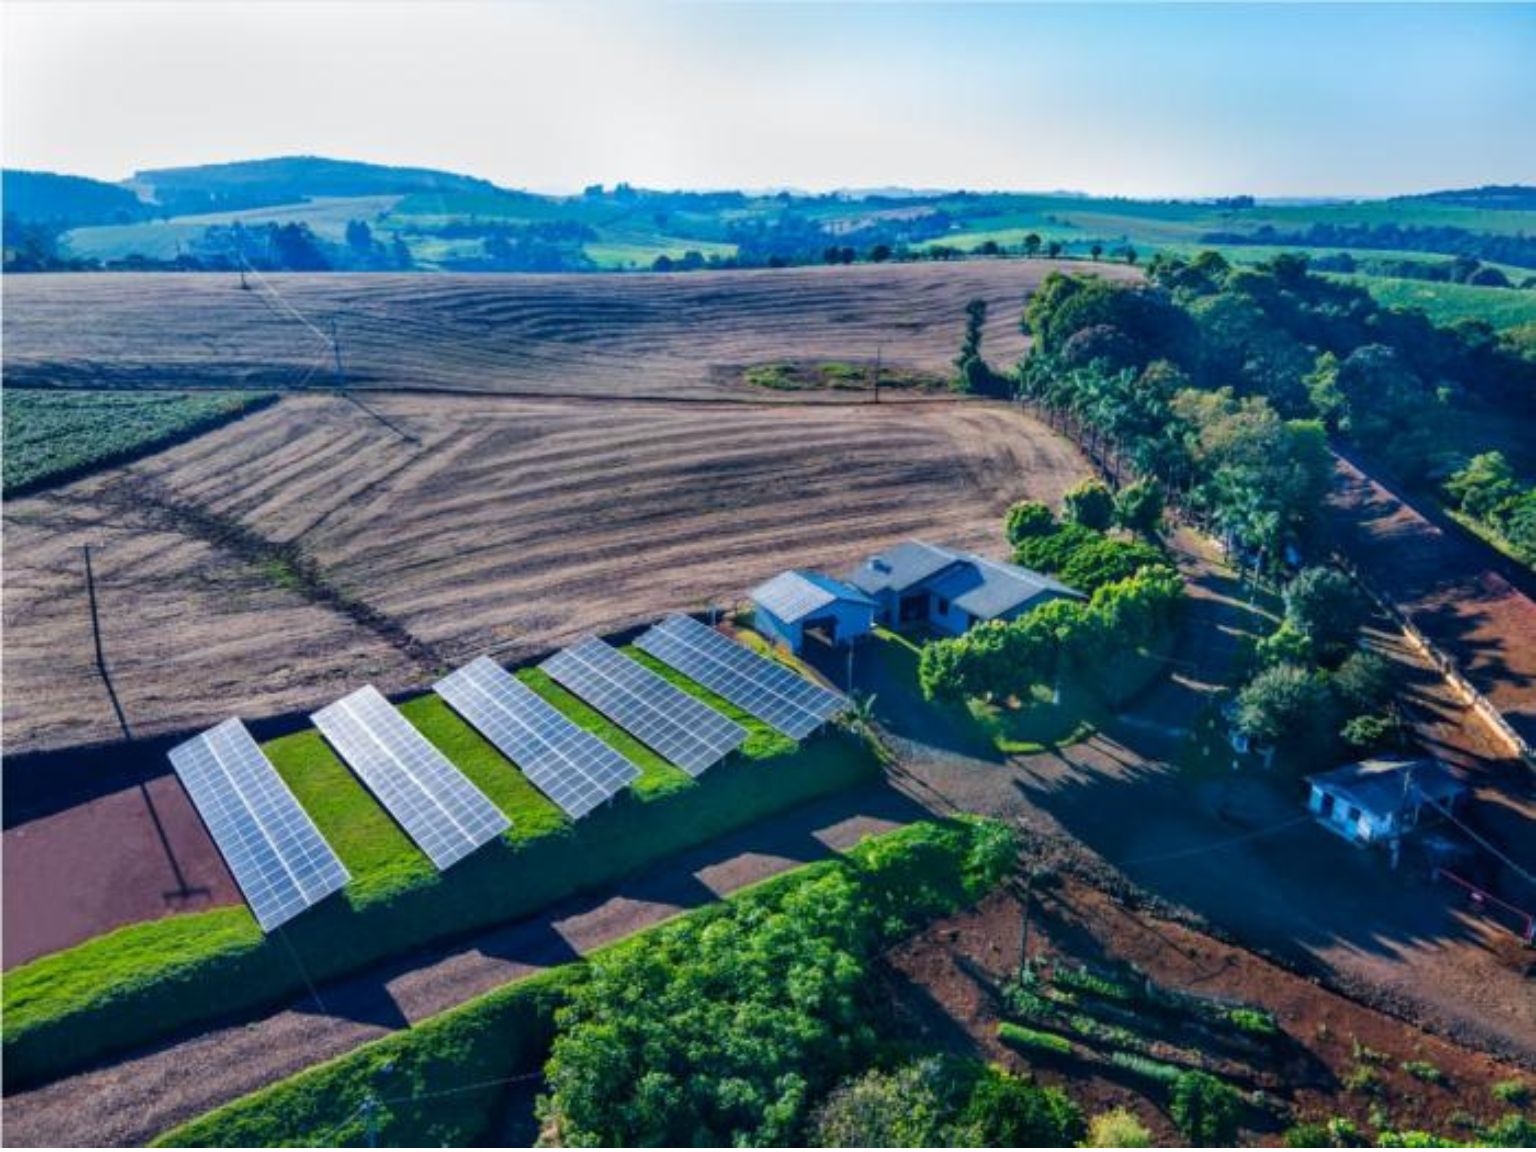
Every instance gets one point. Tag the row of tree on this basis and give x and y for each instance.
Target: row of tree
(1488, 491)
(1133, 594)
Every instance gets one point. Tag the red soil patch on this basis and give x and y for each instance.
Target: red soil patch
(947, 978)
(138, 854)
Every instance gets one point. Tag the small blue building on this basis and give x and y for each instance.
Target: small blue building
(949, 590)
(800, 601)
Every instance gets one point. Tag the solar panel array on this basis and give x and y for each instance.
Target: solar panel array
(656, 712)
(567, 763)
(276, 854)
(769, 691)
(433, 801)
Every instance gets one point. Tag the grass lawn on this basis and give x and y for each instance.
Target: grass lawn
(763, 741)
(657, 777)
(379, 855)
(532, 813)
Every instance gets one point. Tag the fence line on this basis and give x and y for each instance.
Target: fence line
(1100, 456)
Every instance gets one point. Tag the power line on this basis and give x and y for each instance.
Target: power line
(1216, 845)
(1485, 844)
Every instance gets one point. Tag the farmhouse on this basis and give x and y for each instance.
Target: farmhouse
(800, 601)
(920, 583)
(1382, 799)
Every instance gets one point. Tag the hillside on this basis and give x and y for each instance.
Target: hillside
(49, 198)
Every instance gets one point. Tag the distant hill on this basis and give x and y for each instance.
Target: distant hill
(62, 201)
(289, 180)
(1513, 197)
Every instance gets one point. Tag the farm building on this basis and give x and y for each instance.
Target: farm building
(920, 583)
(800, 601)
(1382, 799)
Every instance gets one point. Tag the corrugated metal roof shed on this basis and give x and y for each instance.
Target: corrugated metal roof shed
(1378, 786)
(799, 593)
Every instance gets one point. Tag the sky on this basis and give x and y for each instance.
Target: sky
(1146, 99)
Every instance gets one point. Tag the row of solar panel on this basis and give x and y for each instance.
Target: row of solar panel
(282, 863)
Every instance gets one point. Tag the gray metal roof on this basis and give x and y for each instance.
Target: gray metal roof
(985, 588)
(1378, 786)
(902, 567)
(794, 595)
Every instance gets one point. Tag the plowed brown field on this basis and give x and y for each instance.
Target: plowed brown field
(269, 565)
(644, 335)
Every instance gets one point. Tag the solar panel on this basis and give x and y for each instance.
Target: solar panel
(272, 847)
(564, 761)
(769, 691)
(656, 712)
(433, 801)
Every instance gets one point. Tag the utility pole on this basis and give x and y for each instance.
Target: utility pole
(879, 351)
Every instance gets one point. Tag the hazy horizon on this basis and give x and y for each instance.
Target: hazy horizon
(1143, 100)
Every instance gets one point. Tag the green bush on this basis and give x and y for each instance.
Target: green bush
(1146, 1068)
(1090, 504)
(1082, 980)
(1006, 1112)
(1515, 1092)
(720, 1028)
(428, 1093)
(1308, 1134)
(1424, 1071)
(1119, 1128)
(1206, 1109)
(1029, 1040)
(1253, 1021)
(1027, 519)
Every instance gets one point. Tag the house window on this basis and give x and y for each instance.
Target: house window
(943, 607)
(1353, 814)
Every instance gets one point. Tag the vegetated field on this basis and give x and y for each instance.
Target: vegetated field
(52, 435)
(675, 336)
(1447, 303)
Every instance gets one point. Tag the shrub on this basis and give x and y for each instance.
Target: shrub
(1139, 507)
(1513, 1131)
(1029, 518)
(1206, 1109)
(1363, 1079)
(1515, 1092)
(1307, 1134)
(1006, 1112)
(1119, 1128)
(1145, 1067)
(1424, 1071)
(1028, 1040)
(1253, 1021)
(1090, 504)
(1082, 980)
(904, 1108)
(1342, 1132)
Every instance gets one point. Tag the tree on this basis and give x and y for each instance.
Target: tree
(1130, 254)
(1365, 681)
(1283, 703)
(1096, 250)
(973, 373)
(1028, 518)
(359, 236)
(1139, 507)
(904, 1108)
(1207, 1110)
(880, 253)
(1032, 244)
(1053, 249)
(1323, 605)
(1090, 504)
(1483, 485)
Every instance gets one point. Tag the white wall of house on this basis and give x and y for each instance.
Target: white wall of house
(1343, 817)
